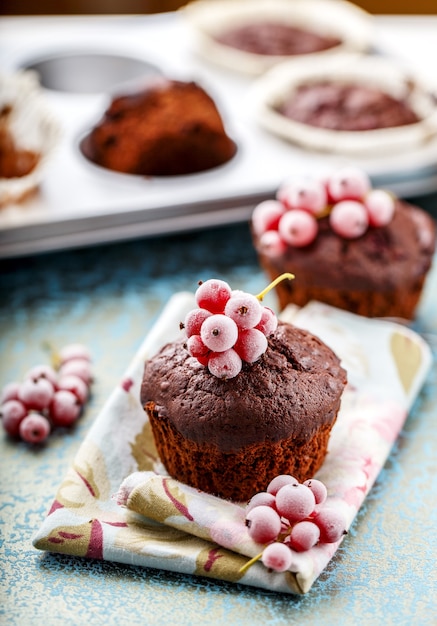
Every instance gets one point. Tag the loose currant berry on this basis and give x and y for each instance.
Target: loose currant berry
(219, 332)
(279, 481)
(349, 183)
(212, 295)
(266, 216)
(76, 385)
(65, 408)
(261, 498)
(36, 393)
(251, 344)
(194, 320)
(295, 502)
(306, 194)
(278, 557)
(380, 207)
(225, 365)
(77, 367)
(318, 488)
(245, 309)
(268, 323)
(263, 524)
(298, 228)
(34, 428)
(271, 243)
(304, 535)
(12, 413)
(349, 219)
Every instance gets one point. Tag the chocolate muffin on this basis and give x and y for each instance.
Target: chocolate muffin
(170, 128)
(231, 437)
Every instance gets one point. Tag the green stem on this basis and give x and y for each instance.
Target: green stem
(277, 280)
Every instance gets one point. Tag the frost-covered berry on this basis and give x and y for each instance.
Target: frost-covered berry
(280, 481)
(245, 309)
(36, 393)
(318, 488)
(76, 385)
(298, 228)
(74, 351)
(271, 244)
(34, 428)
(307, 194)
(278, 557)
(332, 524)
(266, 216)
(194, 320)
(304, 535)
(349, 183)
(196, 347)
(263, 524)
(219, 333)
(42, 371)
(12, 413)
(65, 408)
(268, 323)
(380, 207)
(225, 365)
(77, 367)
(10, 392)
(295, 502)
(212, 295)
(261, 498)
(251, 344)
(349, 219)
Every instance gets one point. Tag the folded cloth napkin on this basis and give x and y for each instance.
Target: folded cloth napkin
(117, 503)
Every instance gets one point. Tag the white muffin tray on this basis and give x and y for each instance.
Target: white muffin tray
(80, 204)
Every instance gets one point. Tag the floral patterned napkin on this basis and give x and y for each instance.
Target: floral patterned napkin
(168, 525)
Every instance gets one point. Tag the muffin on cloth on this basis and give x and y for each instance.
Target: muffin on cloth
(166, 128)
(230, 435)
(350, 246)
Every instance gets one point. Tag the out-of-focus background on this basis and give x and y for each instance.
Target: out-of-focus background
(56, 7)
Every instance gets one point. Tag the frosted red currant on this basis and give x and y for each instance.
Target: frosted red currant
(196, 347)
(42, 371)
(10, 392)
(332, 524)
(76, 385)
(303, 536)
(279, 481)
(219, 332)
(251, 344)
(307, 194)
(225, 365)
(295, 502)
(34, 428)
(318, 488)
(245, 309)
(261, 498)
(263, 524)
(65, 408)
(298, 228)
(194, 320)
(12, 413)
(77, 367)
(36, 393)
(348, 183)
(212, 295)
(380, 207)
(278, 557)
(349, 219)
(266, 216)
(271, 243)
(74, 351)
(268, 323)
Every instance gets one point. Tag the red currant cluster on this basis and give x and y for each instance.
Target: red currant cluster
(346, 196)
(47, 397)
(292, 517)
(229, 327)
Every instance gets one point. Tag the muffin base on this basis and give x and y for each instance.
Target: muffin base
(399, 303)
(235, 476)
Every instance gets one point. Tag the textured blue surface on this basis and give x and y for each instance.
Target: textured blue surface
(108, 297)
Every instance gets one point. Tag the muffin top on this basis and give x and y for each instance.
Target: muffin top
(291, 391)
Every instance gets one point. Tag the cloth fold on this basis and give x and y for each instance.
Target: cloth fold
(117, 503)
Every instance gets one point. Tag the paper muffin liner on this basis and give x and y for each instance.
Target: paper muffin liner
(383, 73)
(352, 25)
(31, 126)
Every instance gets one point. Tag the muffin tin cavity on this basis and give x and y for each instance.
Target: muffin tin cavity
(89, 72)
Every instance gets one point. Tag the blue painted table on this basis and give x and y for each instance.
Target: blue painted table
(108, 297)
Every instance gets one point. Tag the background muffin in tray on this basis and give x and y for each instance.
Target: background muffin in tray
(28, 135)
(251, 36)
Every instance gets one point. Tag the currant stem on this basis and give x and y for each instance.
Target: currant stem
(246, 566)
(277, 280)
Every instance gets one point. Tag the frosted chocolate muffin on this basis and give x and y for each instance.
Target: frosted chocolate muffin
(350, 246)
(169, 128)
(231, 435)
